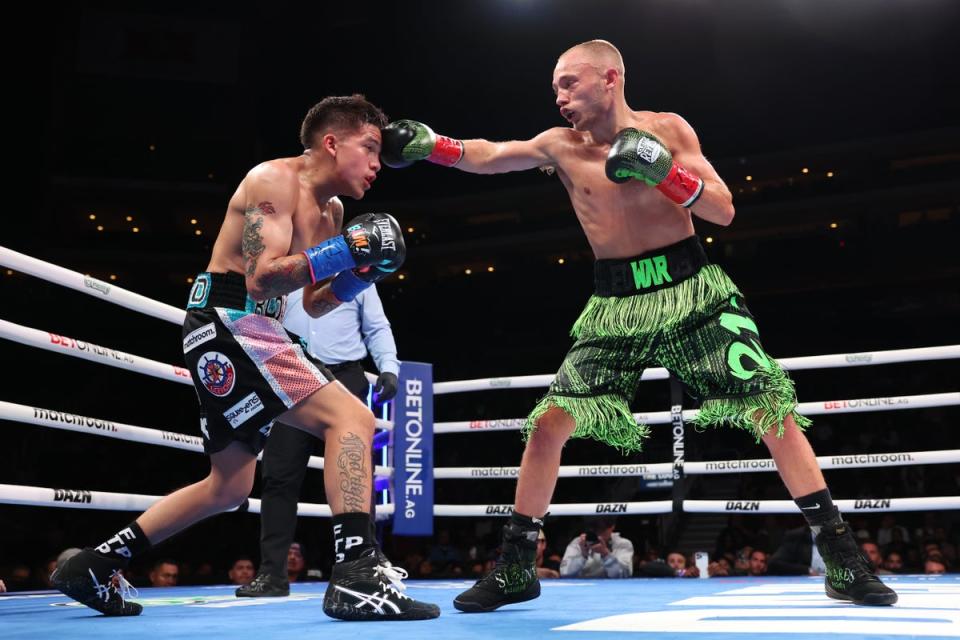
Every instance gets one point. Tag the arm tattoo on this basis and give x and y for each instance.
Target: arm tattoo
(353, 473)
(252, 244)
(285, 274)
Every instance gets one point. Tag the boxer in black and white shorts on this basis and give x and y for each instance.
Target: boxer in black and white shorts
(247, 369)
(281, 232)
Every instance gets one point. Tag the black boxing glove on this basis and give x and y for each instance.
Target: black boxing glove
(378, 249)
(381, 231)
(369, 239)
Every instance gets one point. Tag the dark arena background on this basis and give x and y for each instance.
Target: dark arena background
(836, 126)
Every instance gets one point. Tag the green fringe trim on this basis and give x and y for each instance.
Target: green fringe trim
(643, 313)
(605, 418)
(757, 413)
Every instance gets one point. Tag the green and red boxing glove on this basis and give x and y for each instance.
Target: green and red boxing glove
(406, 141)
(640, 155)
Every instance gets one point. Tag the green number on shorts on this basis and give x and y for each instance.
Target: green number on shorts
(734, 324)
(737, 350)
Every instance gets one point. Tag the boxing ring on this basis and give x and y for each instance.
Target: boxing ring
(929, 606)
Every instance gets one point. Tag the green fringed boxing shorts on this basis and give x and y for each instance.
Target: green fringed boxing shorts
(668, 308)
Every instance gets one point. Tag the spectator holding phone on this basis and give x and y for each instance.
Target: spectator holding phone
(598, 552)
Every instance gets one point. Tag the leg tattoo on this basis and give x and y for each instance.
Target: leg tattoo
(353, 472)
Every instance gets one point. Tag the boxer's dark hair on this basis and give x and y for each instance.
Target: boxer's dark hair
(340, 113)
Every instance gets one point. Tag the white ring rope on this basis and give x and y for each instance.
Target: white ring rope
(859, 405)
(574, 509)
(91, 286)
(84, 499)
(566, 471)
(520, 382)
(863, 505)
(83, 424)
(112, 357)
(893, 356)
(842, 461)
(107, 428)
(92, 352)
(849, 461)
(107, 501)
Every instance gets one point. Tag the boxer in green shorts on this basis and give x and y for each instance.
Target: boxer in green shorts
(636, 180)
(667, 308)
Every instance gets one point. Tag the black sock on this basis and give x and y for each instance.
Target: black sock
(818, 509)
(126, 543)
(351, 536)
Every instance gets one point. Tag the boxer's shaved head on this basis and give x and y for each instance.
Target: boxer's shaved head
(597, 53)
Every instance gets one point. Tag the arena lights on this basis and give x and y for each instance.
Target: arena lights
(749, 178)
(113, 276)
(560, 261)
(468, 271)
(9, 272)
(193, 221)
(93, 216)
(829, 174)
(401, 277)
(189, 280)
(709, 239)
(834, 225)
(99, 227)
(210, 176)
(136, 229)
(129, 218)
(153, 147)
(197, 232)
(489, 269)
(410, 229)
(805, 170)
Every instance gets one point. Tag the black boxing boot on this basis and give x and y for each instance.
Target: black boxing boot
(365, 589)
(95, 580)
(849, 574)
(514, 579)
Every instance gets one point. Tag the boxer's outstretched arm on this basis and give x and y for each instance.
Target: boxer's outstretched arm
(483, 156)
(271, 198)
(406, 141)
